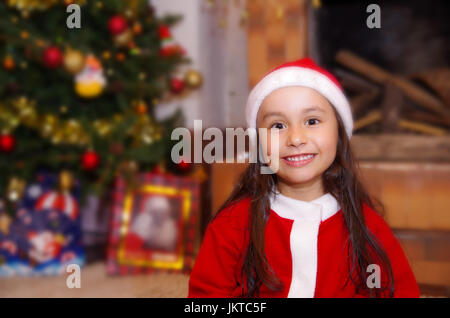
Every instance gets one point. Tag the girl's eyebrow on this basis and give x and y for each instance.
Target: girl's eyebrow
(273, 114)
(313, 108)
(306, 110)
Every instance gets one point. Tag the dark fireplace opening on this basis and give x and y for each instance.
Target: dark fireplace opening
(397, 76)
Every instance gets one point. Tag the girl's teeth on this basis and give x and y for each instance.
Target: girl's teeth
(300, 158)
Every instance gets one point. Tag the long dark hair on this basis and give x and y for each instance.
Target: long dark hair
(341, 180)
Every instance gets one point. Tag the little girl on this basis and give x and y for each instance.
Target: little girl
(311, 229)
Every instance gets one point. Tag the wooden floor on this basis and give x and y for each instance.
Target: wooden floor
(96, 283)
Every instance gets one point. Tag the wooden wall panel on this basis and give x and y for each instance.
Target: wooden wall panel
(416, 195)
(277, 33)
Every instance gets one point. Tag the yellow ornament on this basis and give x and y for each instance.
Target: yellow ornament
(193, 79)
(73, 61)
(88, 90)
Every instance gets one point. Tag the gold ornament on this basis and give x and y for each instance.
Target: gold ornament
(193, 79)
(103, 127)
(27, 112)
(16, 188)
(58, 136)
(65, 181)
(123, 39)
(49, 124)
(26, 6)
(73, 131)
(73, 61)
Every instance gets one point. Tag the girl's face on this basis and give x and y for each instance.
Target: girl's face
(308, 134)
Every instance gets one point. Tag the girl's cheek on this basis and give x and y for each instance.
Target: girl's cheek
(274, 139)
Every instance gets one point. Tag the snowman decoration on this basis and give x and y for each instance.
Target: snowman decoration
(89, 83)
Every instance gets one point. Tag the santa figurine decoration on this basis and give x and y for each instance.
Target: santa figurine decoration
(90, 82)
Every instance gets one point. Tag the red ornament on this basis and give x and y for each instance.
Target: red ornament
(176, 85)
(184, 165)
(117, 24)
(7, 143)
(90, 160)
(164, 32)
(52, 57)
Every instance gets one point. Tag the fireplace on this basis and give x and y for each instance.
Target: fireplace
(398, 76)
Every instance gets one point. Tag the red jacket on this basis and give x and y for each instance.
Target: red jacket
(319, 260)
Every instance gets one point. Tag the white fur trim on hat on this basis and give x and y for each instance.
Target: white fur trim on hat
(299, 76)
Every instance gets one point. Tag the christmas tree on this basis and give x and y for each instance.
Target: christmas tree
(79, 82)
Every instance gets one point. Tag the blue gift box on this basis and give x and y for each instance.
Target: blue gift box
(44, 236)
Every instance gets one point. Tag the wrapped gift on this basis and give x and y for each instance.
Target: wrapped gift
(44, 235)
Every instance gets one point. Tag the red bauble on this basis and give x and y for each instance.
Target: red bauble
(184, 166)
(176, 85)
(117, 24)
(7, 143)
(90, 160)
(164, 32)
(52, 57)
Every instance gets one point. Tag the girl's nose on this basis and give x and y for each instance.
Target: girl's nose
(297, 137)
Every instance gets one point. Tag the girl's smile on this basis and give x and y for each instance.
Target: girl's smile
(299, 160)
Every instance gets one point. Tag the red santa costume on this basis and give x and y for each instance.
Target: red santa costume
(306, 243)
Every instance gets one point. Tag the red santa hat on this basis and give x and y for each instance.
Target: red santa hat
(303, 72)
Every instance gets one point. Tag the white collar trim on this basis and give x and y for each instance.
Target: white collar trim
(319, 209)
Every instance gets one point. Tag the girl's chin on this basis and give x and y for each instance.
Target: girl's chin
(290, 177)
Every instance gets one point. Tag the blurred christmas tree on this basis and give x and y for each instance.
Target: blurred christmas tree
(82, 99)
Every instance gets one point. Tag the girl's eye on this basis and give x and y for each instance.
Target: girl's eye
(277, 126)
(312, 121)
